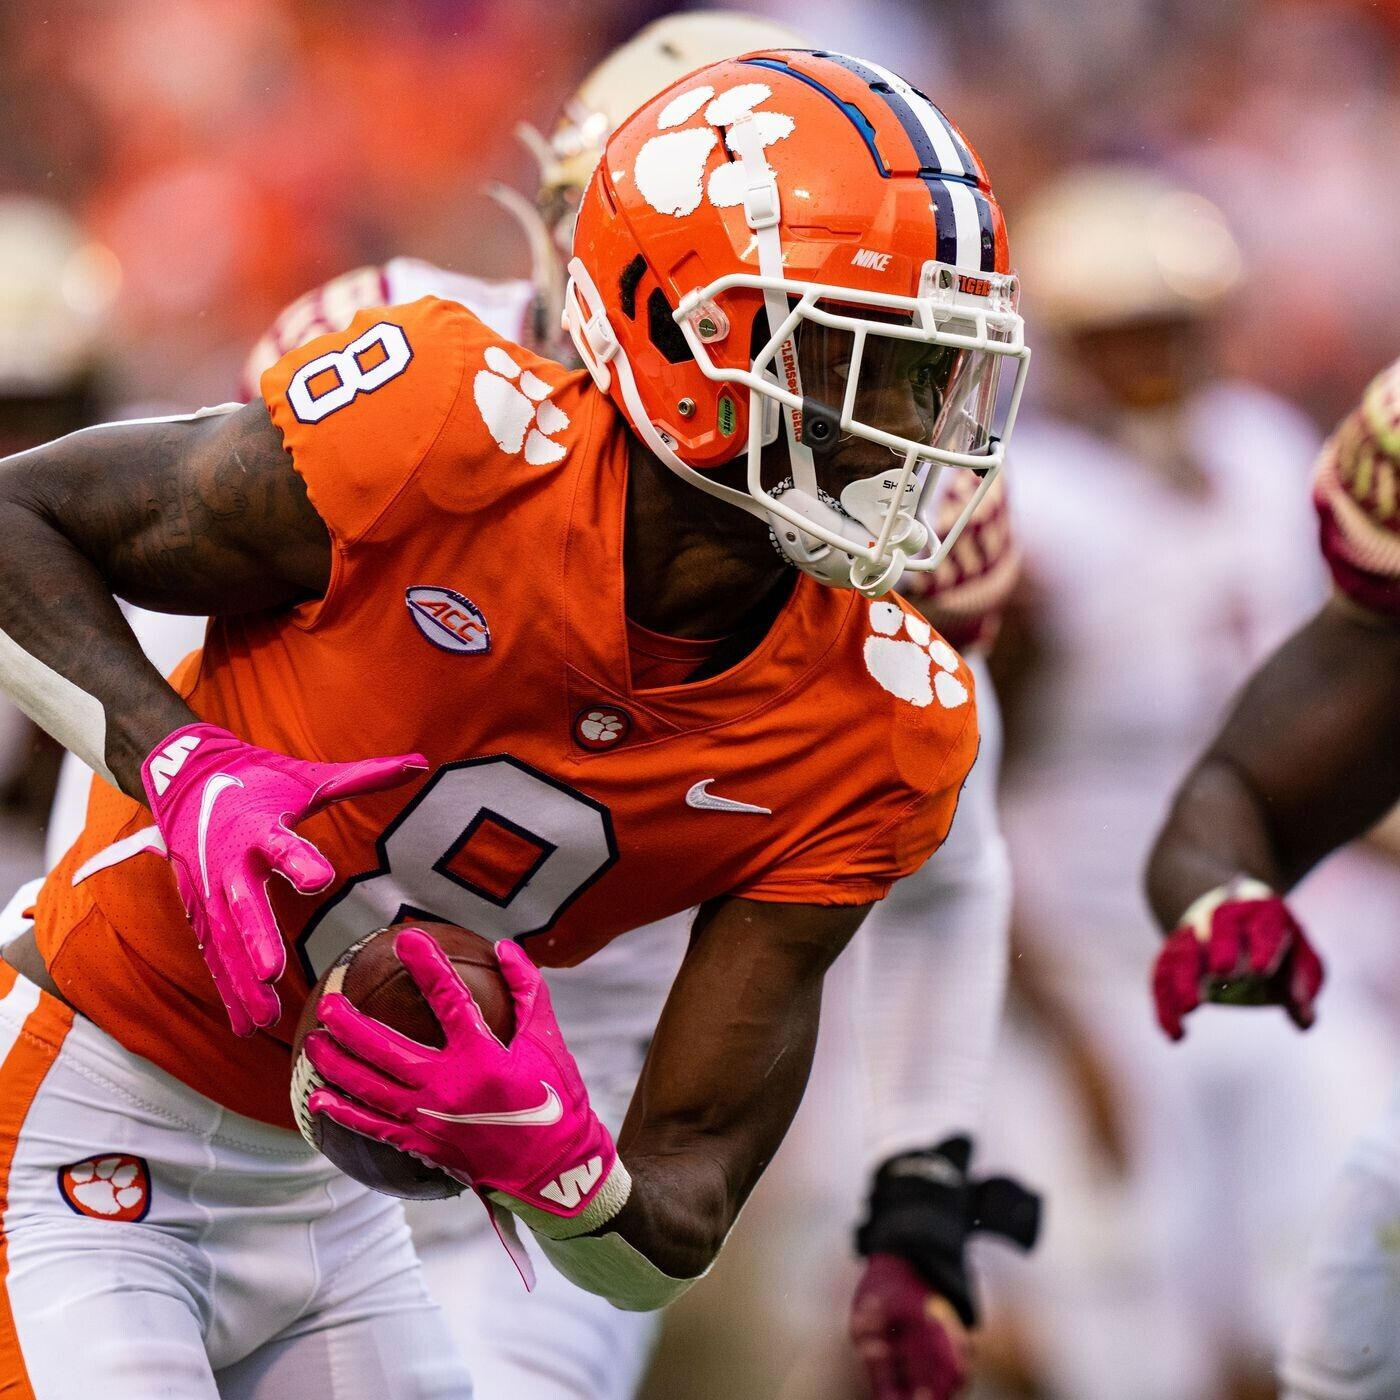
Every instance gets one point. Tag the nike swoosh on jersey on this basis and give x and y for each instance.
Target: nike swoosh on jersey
(217, 784)
(699, 797)
(549, 1111)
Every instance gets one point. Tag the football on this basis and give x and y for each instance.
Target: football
(376, 982)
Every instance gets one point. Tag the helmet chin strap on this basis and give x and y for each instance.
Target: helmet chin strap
(861, 517)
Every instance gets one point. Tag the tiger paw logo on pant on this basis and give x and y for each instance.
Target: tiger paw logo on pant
(114, 1187)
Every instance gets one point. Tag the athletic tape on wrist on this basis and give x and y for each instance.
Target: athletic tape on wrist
(603, 1264)
(1202, 909)
(58, 706)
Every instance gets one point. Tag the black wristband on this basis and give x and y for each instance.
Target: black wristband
(924, 1205)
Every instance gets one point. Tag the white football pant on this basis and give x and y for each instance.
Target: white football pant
(1343, 1339)
(155, 1244)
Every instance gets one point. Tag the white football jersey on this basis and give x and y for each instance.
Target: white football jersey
(503, 305)
(1152, 601)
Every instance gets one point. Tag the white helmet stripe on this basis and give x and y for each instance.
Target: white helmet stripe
(967, 225)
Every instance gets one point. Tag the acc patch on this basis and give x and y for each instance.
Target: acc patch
(116, 1187)
(448, 620)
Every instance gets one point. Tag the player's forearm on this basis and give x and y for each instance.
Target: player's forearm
(1217, 829)
(67, 656)
(196, 515)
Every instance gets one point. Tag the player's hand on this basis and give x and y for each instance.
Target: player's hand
(226, 811)
(1241, 945)
(510, 1118)
(916, 1303)
(911, 1340)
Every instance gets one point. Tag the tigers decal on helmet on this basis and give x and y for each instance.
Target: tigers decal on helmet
(798, 247)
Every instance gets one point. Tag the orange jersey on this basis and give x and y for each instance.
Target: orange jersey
(475, 497)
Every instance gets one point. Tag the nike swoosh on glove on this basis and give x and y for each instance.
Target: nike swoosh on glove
(912, 1343)
(512, 1118)
(226, 810)
(1238, 944)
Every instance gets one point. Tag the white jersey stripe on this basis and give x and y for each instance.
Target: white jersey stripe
(20, 1001)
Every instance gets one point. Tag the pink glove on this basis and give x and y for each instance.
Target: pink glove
(1238, 944)
(226, 810)
(912, 1343)
(512, 1118)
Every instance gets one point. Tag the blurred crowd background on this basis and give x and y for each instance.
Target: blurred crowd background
(223, 156)
(233, 154)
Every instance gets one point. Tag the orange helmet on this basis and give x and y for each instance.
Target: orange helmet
(799, 244)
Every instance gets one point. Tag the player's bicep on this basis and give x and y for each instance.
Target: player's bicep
(202, 515)
(734, 1044)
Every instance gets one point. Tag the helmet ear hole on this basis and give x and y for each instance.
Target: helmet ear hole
(665, 334)
(627, 285)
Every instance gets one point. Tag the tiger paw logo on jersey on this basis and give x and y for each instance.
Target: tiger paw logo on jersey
(602, 726)
(517, 411)
(916, 666)
(670, 168)
(115, 1187)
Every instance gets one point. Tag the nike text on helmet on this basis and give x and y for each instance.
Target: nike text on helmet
(800, 245)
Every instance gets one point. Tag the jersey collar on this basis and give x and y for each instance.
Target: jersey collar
(596, 651)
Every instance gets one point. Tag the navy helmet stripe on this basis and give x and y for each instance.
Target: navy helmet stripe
(969, 161)
(913, 128)
(988, 231)
(936, 167)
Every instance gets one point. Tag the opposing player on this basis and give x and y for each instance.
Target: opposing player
(1133, 649)
(427, 456)
(1308, 760)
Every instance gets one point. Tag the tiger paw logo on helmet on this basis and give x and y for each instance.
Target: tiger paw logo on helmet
(917, 666)
(670, 169)
(516, 408)
(114, 1187)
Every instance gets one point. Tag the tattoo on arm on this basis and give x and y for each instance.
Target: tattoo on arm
(198, 516)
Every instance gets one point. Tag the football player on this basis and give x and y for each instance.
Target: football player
(1308, 760)
(795, 310)
(1138, 645)
(940, 938)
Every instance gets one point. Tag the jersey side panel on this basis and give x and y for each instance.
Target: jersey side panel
(913, 738)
